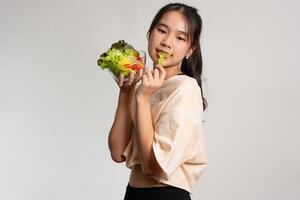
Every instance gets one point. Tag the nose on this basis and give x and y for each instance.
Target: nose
(166, 42)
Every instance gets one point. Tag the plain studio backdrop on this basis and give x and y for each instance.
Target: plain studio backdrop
(57, 105)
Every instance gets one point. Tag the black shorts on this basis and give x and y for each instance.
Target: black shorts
(156, 193)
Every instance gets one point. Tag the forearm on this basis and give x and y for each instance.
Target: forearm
(145, 136)
(120, 131)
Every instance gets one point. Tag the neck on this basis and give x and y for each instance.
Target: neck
(171, 71)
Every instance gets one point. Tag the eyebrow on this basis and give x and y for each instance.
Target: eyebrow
(166, 26)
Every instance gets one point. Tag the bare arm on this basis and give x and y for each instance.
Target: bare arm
(120, 132)
(145, 136)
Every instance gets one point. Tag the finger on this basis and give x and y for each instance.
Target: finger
(145, 80)
(146, 71)
(163, 73)
(161, 68)
(150, 77)
(156, 74)
(121, 79)
(131, 77)
(140, 74)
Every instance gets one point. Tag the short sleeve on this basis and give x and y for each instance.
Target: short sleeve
(172, 142)
(126, 152)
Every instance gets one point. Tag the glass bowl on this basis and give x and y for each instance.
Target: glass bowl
(142, 55)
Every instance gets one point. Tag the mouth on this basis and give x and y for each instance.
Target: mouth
(165, 52)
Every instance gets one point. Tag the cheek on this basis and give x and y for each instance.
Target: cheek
(154, 38)
(152, 44)
(181, 50)
(150, 50)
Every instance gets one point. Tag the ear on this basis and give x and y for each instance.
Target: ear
(190, 51)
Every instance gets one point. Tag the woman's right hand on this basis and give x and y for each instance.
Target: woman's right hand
(129, 84)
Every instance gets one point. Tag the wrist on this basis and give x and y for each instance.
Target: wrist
(125, 96)
(127, 91)
(142, 98)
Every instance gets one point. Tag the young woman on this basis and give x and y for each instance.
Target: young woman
(158, 123)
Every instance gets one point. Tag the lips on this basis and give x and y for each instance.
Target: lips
(159, 50)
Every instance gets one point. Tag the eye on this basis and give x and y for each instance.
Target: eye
(161, 31)
(181, 38)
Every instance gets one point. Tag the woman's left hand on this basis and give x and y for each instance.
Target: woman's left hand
(151, 81)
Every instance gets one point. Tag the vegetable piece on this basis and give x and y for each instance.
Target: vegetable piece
(162, 57)
(121, 58)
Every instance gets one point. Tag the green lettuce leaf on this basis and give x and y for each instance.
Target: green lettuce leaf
(116, 57)
(162, 57)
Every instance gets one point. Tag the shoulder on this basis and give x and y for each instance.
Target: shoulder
(185, 93)
(188, 85)
(185, 87)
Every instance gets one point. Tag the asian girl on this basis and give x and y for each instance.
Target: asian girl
(157, 129)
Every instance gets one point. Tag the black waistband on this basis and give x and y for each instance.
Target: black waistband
(152, 190)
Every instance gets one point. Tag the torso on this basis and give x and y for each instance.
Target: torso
(138, 179)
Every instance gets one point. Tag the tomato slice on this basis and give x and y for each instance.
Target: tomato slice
(127, 66)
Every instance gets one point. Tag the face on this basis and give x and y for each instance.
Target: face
(170, 35)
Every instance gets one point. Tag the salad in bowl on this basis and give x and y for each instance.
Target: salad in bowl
(122, 58)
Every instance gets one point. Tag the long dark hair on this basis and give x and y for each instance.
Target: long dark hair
(193, 65)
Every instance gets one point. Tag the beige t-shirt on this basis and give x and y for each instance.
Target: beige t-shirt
(178, 142)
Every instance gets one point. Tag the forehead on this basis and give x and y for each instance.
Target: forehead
(175, 21)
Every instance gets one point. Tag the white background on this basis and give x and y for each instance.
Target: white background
(57, 105)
